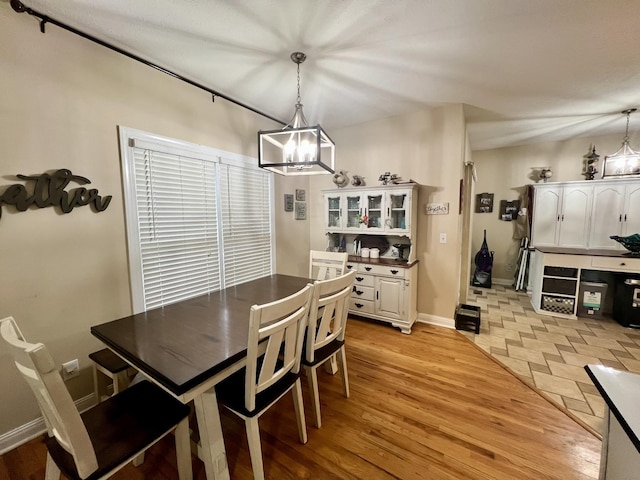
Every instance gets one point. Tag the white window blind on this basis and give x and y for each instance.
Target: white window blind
(198, 219)
(246, 223)
(178, 229)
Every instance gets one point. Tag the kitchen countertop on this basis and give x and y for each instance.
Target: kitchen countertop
(387, 262)
(621, 391)
(586, 251)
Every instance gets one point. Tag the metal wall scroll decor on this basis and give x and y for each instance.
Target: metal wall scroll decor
(49, 191)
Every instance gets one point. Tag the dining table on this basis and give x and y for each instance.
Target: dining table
(189, 346)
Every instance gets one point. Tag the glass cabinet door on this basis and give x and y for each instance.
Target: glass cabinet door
(398, 214)
(375, 210)
(353, 204)
(334, 212)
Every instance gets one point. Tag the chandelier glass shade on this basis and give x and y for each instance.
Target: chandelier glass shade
(297, 149)
(625, 161)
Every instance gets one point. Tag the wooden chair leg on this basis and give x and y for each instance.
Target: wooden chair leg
(183, 450)
(52, 472)
(96, 389)
(299, 407)
(139, 460)
(342, 358)
(312, 376)
(331, 365)
(255, 450)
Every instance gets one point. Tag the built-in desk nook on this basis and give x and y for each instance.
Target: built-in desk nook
(557, 274)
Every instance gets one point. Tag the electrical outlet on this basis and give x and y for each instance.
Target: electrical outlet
(509, 267)
(70, 369)
(443, 238)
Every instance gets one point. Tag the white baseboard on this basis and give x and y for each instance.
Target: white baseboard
(436, 320)
(30, 430)
(507, 282)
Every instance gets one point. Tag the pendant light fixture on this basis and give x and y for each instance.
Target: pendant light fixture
(625, 161)
(297, 149)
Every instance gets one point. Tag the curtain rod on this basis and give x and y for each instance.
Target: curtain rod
(19, 7)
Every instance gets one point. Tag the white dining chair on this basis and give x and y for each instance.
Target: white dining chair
(274, 352)
(105, 438)
(323, 265)
(326, 331)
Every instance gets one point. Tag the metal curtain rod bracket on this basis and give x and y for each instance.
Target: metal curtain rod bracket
(20, 7)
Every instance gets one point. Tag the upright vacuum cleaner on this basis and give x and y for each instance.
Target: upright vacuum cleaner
(484, 263)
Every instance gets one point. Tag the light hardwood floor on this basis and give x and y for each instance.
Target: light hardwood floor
(430, 405)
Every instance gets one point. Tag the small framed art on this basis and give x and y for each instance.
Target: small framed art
(300, 195)
(288, 202)
(301, 210)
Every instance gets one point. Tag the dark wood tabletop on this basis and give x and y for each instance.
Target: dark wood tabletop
(183, 344)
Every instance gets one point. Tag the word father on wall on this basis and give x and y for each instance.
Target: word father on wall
(49, 191)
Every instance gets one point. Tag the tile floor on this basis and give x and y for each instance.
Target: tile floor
(549, 353)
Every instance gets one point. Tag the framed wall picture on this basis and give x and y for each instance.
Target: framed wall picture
(484, 203)
(301, 210)
(509, 210)
(300, 195)
(288, 202)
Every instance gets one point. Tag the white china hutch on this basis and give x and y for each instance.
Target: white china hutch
(381, 217)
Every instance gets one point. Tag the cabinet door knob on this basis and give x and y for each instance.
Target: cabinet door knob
(368, 269)
(620, 218)
(394, 271)
(622, 264)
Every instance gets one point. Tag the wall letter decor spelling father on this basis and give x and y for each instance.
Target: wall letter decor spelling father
(49, 191)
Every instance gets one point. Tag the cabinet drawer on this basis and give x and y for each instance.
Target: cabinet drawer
(359, 305)
(616, 263)
(381, 270)
(559, 285)
(365, 293)
(364, 280)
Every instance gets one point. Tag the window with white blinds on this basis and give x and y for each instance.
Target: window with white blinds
(198, 219)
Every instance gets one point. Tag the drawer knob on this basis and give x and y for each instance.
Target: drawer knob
(359, 292)
(622, 264)
(368, 269)
(394, 271)
(359, 305)
(359, 279)
(349, 267)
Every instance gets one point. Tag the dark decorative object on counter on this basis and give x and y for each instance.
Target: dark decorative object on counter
(631, 243)
(591, 159)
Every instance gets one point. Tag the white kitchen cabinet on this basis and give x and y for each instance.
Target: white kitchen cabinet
(385, 291)
(561, 215)
(387, 209)
(616, 211)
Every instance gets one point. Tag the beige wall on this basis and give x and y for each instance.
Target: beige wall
(427, 147)
(62, 98)
(505, 172)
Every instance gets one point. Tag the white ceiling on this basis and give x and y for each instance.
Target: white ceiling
(527, 70)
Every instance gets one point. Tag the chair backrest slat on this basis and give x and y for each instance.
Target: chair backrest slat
(328, 312)
(60, 413)
(281, 326)
(324, 265)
